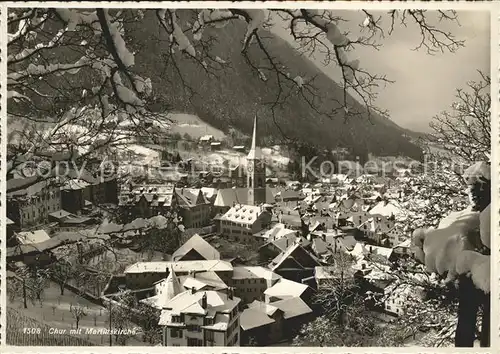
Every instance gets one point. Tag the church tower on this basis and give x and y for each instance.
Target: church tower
(256, 172)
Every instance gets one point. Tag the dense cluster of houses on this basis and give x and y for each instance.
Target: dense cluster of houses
(296, 230)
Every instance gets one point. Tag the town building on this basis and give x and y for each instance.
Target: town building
(251, 282)
(295, 263)
(194, 208)
(143, 275)
(241, 222)
(145, 201)
(196, 248)
(201, 319)
(396, 297)
(30, 200)
(74, 193)
(269, 323)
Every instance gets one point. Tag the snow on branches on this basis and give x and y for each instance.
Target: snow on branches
(465, 130)
(47, 46)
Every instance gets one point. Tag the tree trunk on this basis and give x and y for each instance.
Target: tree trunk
(485, 324)
(25, 303)
(468, 305)
(61, 286)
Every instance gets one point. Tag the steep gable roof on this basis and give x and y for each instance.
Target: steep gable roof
(197, 243)
(226, 197)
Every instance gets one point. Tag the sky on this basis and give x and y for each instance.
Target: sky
(425, 85)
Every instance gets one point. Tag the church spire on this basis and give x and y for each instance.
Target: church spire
(254, 150)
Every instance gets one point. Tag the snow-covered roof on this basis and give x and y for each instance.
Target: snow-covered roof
(285, 289)
(166, 290)
(388, 209)
(383, 251)
(31, 237)
(243, 214)
(188, 302)
(75, 184)
(251, 272)
(206, 137)
(180, 267)
(278, 231)
(328, 272)
(292, 307)
(198, 244)
(253, 318)
(405, 244)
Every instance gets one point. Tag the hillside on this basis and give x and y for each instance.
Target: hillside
(230, 100)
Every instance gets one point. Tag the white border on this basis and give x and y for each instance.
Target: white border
(492, 6)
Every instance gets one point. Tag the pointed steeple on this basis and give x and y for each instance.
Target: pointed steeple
(254, 150)
(173, 286)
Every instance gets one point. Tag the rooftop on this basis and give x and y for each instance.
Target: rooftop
(248, 272)
(30, 237)
(188, 302)
(243, 214)
(180, 266)
(285, 288)
(197, 243)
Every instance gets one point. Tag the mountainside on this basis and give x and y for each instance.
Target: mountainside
(231, 99)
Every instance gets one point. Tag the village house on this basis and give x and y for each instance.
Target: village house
(404, 248)
(29, 201)
(285, 289)
(295, 263)
(251, 282)
(201, 319)
(74, 193)
(215, 145)
(145, 201)
(268, 323)
(194, 208)
(32, 237)
(396, 297)
(143, 275)
(205, 141)
(289, 197)
(196, 248)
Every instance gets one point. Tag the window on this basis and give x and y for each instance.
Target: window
(176, 319)
(209, 335)
(175, 333)
(194, 328)
(194, 342)
(262, 281)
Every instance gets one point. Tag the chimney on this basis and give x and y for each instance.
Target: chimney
(204, 301)
(193, 290)
(230, 293)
